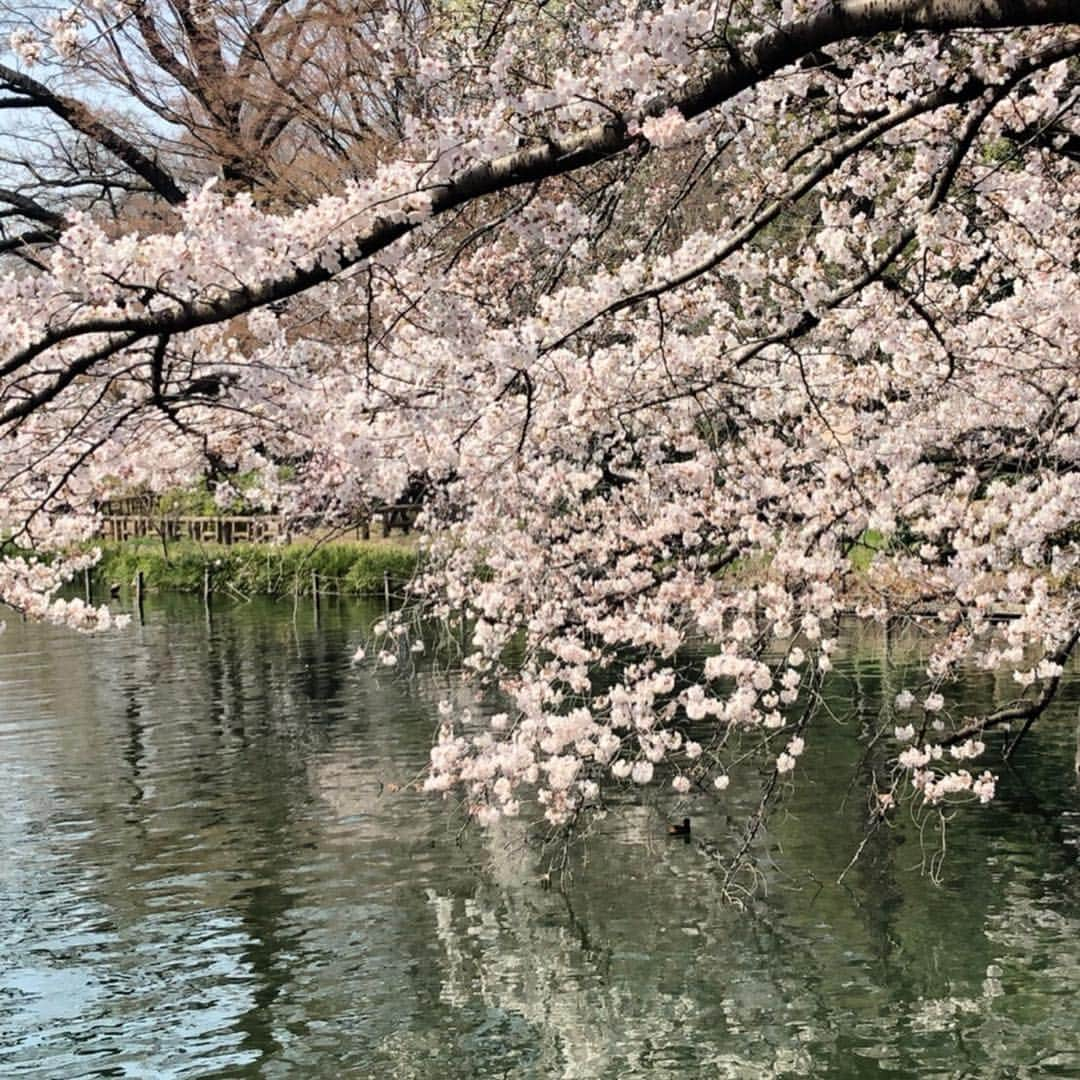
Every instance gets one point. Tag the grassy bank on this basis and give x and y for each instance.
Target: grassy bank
(348, 568)
(352, 569)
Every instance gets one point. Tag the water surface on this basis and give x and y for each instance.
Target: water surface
(204, 874)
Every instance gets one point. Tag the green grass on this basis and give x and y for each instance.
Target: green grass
(354, 569)
(862, 552)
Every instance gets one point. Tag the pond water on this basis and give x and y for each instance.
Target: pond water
(203, 873)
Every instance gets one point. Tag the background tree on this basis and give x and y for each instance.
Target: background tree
(126, 108)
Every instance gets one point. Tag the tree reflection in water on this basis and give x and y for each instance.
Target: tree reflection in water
(205, 874)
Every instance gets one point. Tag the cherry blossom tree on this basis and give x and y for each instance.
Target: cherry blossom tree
(706, 323)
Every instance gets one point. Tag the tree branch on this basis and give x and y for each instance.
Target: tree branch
(1028, 711)
(32, 210)
(737, 72)
(81, 119)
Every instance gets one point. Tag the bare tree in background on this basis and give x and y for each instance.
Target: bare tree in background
(282, 100)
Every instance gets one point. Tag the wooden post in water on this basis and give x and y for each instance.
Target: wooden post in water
(86, 583)
(315, 593)
(206, 585)
(139, 593)
(386, 589)
(1076, 759)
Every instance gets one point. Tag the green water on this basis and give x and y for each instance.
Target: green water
(202, 874)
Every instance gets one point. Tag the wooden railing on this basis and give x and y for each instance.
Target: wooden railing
(236, 529)
(205, 530)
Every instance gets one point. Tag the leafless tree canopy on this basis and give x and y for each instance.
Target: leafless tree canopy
(278, 98)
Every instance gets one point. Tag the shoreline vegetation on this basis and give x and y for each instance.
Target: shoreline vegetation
(330, 566)
(334, 564)
(333, 567)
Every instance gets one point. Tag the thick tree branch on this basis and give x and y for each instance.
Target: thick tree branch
(737, 72)
(20, 103)
(164, 57)
(30, 238)
(81, 119)
(252, 49)
(32, 210)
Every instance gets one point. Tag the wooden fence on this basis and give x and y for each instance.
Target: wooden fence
(205, 530)
(249, 529)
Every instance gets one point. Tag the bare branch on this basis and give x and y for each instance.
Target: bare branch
(81, 119)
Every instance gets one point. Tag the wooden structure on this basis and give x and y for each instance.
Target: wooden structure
(204, 530)
(235, 529)
(400, 516)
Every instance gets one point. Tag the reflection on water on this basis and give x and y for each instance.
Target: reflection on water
(205, 875)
